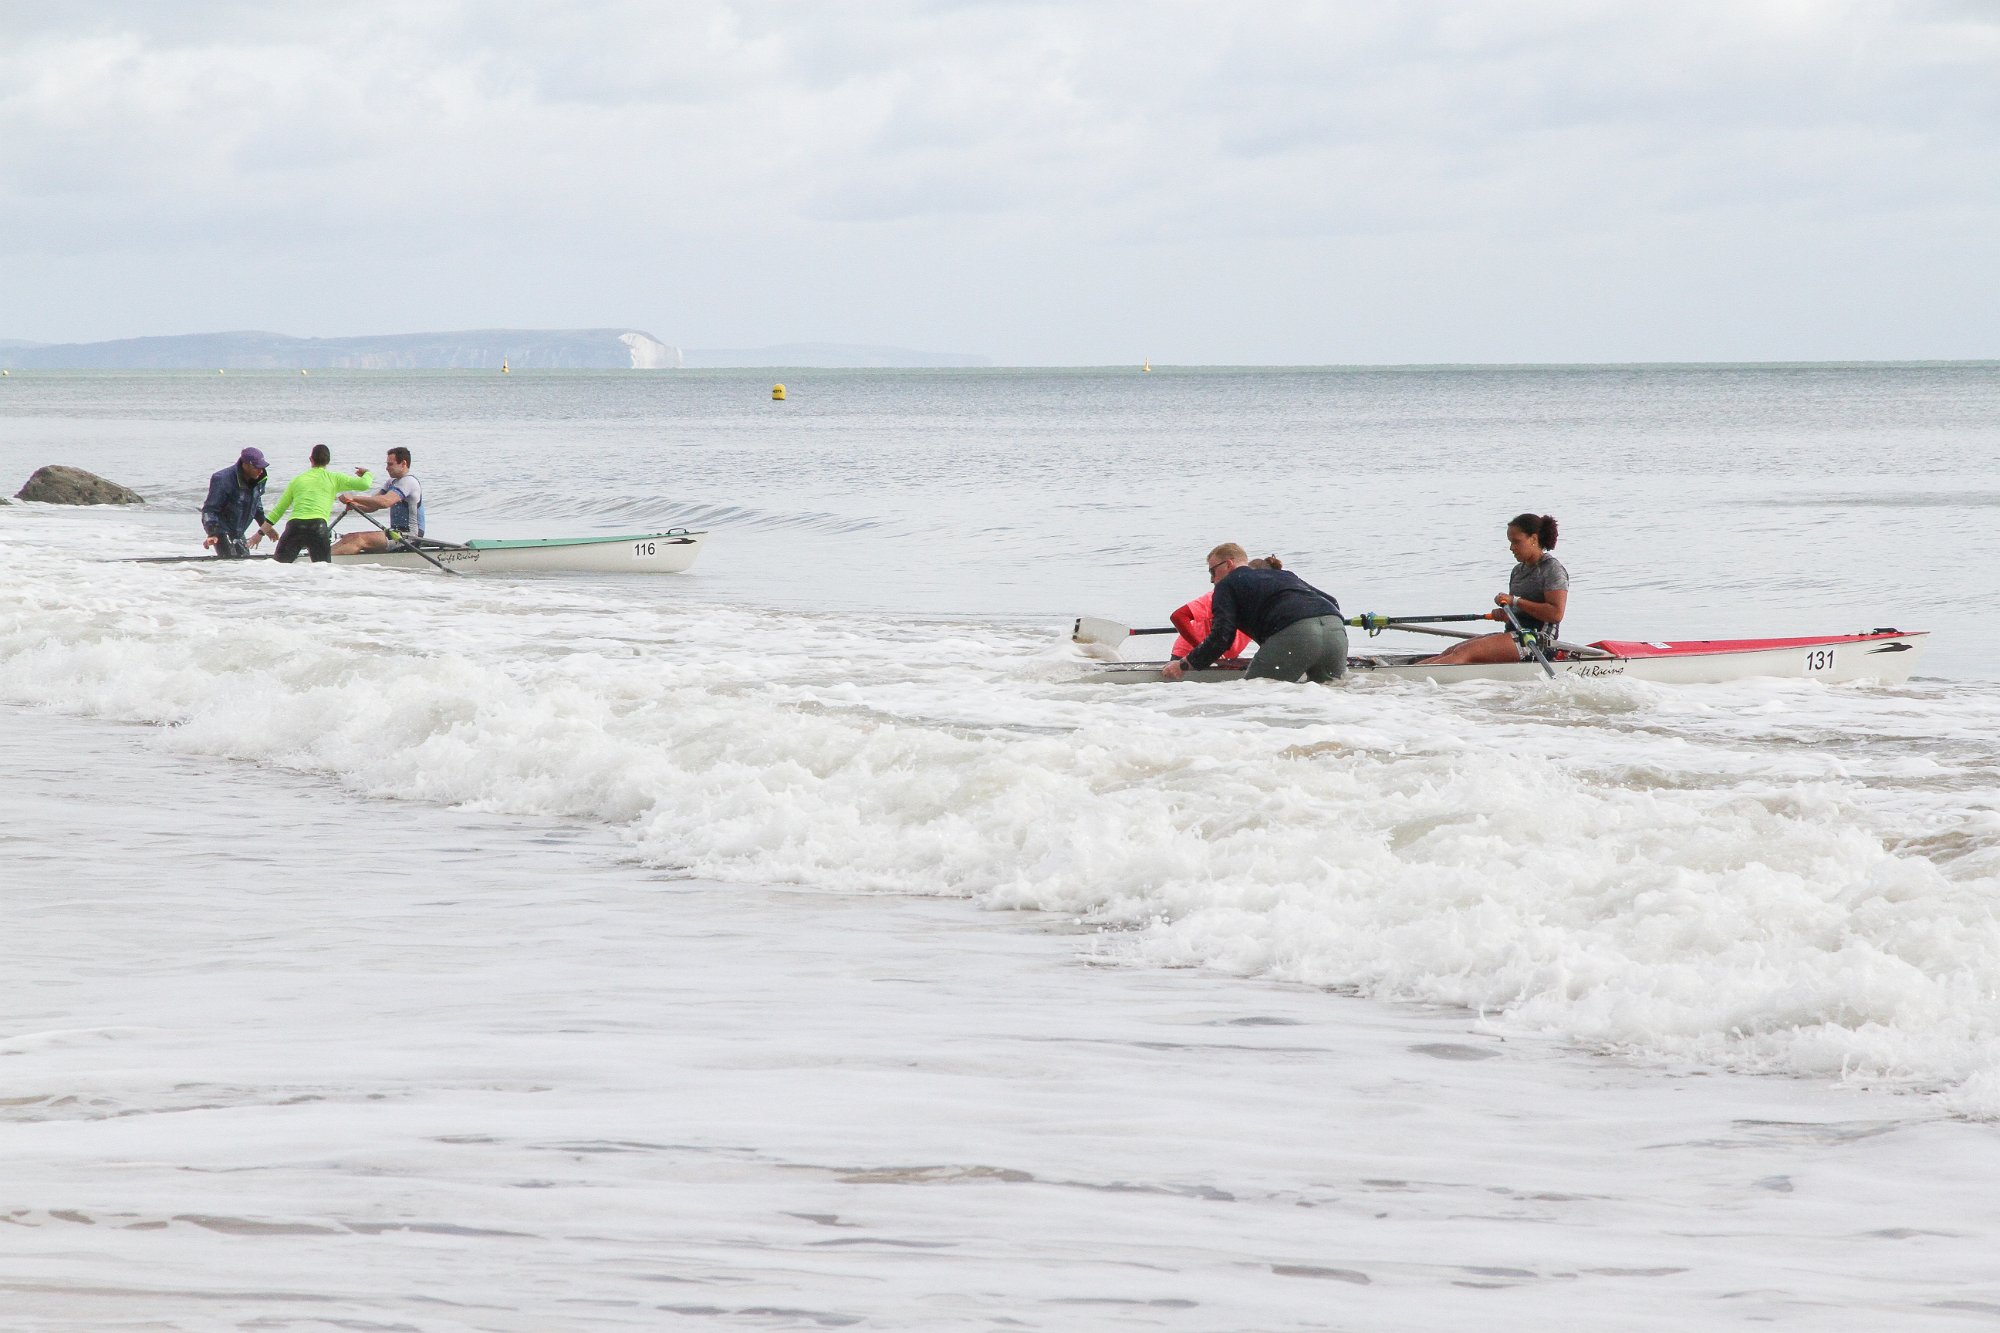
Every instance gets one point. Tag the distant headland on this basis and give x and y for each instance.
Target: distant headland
(473, 349)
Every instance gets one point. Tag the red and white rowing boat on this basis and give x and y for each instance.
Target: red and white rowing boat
(1884, 655)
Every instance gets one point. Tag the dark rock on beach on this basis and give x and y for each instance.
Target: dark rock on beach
(59, 485)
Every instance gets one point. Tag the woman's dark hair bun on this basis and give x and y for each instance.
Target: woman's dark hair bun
(1541, 526)
(1274, 562)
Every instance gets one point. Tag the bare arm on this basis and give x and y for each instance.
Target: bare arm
(1549, 612)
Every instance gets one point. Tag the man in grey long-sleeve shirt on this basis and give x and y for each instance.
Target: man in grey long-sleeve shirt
(1298, 628)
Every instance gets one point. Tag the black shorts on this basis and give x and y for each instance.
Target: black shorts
(311, 533)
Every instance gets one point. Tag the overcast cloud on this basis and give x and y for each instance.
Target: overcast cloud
(1454, 180)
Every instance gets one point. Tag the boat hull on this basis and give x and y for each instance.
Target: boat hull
(640, 553)
(1886, 657)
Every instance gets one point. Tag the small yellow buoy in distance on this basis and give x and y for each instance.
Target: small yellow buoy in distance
(503, 367)
(301, 372)
(219, 372)
(777, 393)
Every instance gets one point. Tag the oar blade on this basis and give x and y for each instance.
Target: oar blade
(1098, 630)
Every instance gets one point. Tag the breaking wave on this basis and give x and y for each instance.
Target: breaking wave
(1770, 876)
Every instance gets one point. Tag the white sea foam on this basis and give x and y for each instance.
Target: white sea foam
(1773, 876)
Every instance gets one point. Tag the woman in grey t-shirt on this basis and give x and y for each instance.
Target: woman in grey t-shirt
(1537, 592)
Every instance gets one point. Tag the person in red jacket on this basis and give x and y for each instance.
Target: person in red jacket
(1193, 621)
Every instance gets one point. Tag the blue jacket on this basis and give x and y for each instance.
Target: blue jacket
(233, 504)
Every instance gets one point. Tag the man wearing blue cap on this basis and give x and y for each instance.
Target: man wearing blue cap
(235, 498)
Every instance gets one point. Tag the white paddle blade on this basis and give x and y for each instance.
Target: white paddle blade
(1097, 630)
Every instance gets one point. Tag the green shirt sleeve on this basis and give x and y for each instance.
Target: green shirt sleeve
(343, 482)
(284, 501)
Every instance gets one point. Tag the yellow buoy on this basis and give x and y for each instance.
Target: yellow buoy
(301, 372)
(218, 372)
(503, 368)
(777, 393)
(1148, 367)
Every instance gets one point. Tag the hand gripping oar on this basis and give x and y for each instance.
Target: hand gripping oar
(1523, 635)
(410, 542)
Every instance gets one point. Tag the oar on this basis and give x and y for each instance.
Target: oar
(1096, 629)
(1573, 649)
(1523, 635)
(1441, 633)
(1373, 623)
(411, 543)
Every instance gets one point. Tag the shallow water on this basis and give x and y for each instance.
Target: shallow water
(1697, 502)
(864, 689)
(255, 1077)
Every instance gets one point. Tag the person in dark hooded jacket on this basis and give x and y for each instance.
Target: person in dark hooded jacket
(235, 500)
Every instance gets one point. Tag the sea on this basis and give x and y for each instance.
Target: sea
(808, 941)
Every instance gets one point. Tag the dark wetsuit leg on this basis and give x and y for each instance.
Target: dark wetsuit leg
(1314, 649)
(311, 533)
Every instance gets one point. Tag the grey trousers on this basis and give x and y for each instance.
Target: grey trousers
(1314, 650)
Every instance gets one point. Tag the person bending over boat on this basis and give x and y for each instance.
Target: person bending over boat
(309, 497)
(235, 499)
(402, 495)
(1298, 629)
(1537, 592)
(1193, 619)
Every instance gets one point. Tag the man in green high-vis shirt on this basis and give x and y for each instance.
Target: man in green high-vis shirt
(309, 498)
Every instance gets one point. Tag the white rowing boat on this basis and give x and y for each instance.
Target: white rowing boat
(1884, 655)
(642, 553)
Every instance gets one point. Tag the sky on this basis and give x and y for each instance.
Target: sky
(1043, 184)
